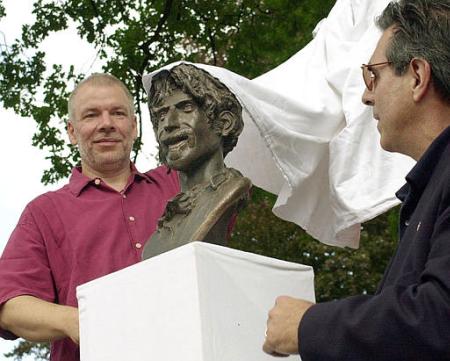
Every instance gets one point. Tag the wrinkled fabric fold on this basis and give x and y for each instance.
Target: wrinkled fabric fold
(307, 136)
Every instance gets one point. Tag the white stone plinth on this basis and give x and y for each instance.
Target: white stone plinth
(199, 302)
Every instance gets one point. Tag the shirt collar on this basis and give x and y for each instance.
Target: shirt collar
(420, 174)
(135, 173)
(78, 181)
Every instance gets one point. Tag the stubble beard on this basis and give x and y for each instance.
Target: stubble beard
(105, 161)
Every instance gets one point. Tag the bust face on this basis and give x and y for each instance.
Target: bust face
(185, 137)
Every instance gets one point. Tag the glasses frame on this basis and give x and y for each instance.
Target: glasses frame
(368, 75)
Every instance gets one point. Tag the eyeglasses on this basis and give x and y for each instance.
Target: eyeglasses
(369, 75)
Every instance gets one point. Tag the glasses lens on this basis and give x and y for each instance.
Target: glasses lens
(367, 77)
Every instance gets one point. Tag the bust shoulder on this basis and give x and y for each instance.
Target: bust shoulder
(200, 214)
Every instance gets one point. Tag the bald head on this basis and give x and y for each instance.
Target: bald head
(99, 79)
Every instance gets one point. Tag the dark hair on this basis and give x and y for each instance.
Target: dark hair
(212, 96)
(421, 30)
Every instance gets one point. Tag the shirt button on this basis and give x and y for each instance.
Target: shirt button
(138, 245)
(131, 218)
(124, 196)
(97, 181)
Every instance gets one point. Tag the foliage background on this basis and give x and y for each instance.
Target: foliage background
(134, 37)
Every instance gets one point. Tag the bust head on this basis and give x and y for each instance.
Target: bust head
(197, 121)
(194, 116)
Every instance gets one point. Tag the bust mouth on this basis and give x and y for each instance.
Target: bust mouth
(176, 142)
(176, 147)
(174, 139)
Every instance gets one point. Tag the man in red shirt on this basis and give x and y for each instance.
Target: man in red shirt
(94, 225)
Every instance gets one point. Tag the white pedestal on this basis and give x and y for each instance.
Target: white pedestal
(199, 302)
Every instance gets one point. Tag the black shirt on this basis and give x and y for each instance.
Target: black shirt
(409, 316)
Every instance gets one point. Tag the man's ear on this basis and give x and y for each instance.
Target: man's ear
(421, 72)
(71, 133)
(228, 121)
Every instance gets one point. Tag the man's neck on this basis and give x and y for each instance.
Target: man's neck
(115, 177)
(433, 122)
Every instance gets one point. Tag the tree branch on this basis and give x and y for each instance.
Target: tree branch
(211, 38)
(156, 35)
(137, 92)
(212, 41)
(101, 23)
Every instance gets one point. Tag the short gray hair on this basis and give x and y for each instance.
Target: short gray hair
(99, 79)
(421, 30)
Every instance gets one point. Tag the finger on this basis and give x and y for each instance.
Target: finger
(267, 348)
(276, 354)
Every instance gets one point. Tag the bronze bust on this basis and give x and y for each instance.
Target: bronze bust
(197, 121)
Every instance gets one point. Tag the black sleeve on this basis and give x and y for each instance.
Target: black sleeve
(406, 321)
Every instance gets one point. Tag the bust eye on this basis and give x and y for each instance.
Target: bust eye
(188, 107)
(161, 115)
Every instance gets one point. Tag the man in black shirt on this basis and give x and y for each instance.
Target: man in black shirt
(408, 318)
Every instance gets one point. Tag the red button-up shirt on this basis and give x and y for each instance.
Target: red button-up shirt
(80, 232)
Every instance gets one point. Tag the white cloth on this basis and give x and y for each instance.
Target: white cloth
(307, 136)
(199, 302)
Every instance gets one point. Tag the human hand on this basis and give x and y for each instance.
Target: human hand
(282, 326)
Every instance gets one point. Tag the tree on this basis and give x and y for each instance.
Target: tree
(134, 37)
(40, 351)
(339, 272)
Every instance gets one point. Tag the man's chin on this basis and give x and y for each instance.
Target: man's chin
(386, 145)
(111, 159)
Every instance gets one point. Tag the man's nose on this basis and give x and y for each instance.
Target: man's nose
(106, 121)
(367, 97)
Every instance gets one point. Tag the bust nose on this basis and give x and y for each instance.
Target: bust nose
(171, 121)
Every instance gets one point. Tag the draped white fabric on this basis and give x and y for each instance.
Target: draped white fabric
(307, 136)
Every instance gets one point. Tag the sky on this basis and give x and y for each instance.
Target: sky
(24, 164)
